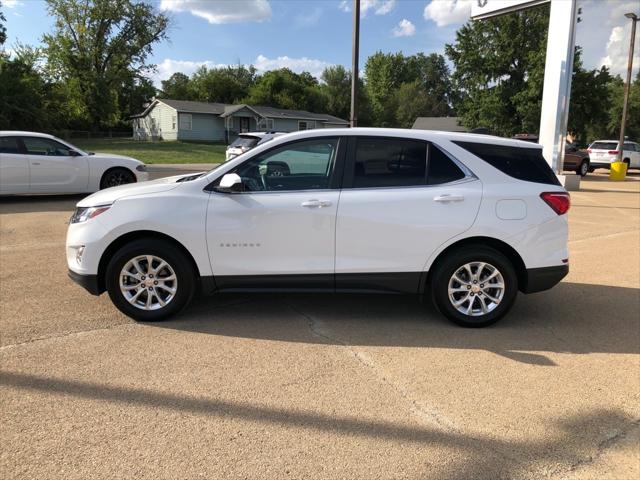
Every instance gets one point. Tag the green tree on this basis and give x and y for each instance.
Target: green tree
(285, 89)
(616, 97)
(590, 102)
(177, 87)
(97, 45)
(134, 94)
(3, 29)
(336, 88)
(23, 92)
(384, 73)
(499, 71)
(224, 85)
(426, 76)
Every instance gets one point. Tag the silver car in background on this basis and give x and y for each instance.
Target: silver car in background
(247, 141)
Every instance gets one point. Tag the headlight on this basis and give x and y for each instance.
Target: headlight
(82, 214)
(141, 168)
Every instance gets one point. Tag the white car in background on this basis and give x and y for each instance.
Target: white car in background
(33, 162)
(247, 141)
(466, 219)
(603, 152)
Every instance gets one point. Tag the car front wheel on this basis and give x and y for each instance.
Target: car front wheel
(115, 177)
(474, 286)
(150, 280)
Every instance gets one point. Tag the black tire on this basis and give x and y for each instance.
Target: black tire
(177, 261)
(628, 163)
(116, 176)
(456, 260)
(584, 168)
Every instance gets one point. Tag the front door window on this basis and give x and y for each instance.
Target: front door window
(306, 165)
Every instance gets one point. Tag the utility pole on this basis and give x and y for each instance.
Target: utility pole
(625, 103)
(354, 63)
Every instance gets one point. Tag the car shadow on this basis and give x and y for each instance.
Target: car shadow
(39, 203)
(571, 318)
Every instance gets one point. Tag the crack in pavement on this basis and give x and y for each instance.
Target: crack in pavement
(420, 410)
(602, 448)
(62, 335)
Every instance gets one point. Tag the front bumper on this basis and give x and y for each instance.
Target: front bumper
(540, 279)
(88, 282)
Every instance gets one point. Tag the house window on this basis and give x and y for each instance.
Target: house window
(186, 122)
(173, 122)
(265, 124)
(306, 125)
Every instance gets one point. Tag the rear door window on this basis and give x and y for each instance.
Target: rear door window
(389, 162)
(9, 145)
(526, 164)
(441, 168)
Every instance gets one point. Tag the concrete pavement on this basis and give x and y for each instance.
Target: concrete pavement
(315, 386)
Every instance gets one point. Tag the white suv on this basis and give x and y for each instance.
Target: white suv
(603, 152)
(466, 219)
(246, 141)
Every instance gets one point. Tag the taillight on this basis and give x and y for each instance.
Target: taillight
(558, 201)
(613, 152)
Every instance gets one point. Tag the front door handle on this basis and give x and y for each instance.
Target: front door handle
(446, 198)
(316, 203)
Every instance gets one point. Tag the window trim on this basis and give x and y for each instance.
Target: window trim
(349, 164)
(335, 179)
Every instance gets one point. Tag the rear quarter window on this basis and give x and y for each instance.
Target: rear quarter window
(522, 163)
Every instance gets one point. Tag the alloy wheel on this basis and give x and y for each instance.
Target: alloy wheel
(148, 282)
(476, 288)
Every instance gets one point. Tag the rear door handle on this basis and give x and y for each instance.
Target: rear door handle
(316, 203)
(446, 198)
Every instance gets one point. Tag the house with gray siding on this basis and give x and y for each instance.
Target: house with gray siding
(166, 119)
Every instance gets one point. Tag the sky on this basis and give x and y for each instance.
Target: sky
(308, 35)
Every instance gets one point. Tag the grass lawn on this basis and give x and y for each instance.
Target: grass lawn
(156, 152)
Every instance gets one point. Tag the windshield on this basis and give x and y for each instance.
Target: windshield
(604, 146)
(244, 141)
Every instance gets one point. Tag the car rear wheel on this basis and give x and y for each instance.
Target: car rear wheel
(115, 177)
(474, 286)
(583, 169)
(150, 280)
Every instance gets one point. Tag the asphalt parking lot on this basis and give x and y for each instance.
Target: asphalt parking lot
(315, 386)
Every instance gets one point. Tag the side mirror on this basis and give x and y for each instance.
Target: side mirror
(230, 183)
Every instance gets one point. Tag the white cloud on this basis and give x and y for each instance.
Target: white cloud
(298, 65)
(404, 29)
(168, 67)
(221, 11)
(617, 56)
(384, 7)
(448, 12)
(11, 3)
(604, 34)
(379, 7)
